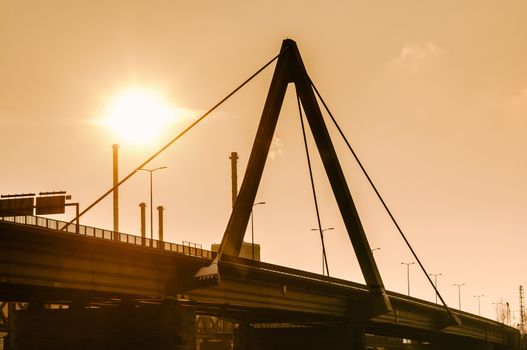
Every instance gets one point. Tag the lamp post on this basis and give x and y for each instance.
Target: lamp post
(499, 307)
(321, 230)
(252, 228)
(459, 285)
(435, 281)
(479, 302)
(408, 274)
(151, 202)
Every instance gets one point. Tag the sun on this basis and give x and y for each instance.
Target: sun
(139, 115)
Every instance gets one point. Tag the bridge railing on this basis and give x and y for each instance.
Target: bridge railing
(52, 224)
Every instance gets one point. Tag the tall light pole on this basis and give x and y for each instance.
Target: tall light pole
(151, 202)
(408, 274)
(499, 306)
(459, 285)
(435, 282)
(252, 227)
(321, 230)
(479, 302)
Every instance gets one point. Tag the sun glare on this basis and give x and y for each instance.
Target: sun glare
(139, 116)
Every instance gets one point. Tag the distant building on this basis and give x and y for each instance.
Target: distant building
(246, 251)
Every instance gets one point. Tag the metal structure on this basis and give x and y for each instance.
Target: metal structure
(521, 325)
(290, 69)
(42, 265)
(459, 285)
(479, 296)
(151, 171)
(252, 229)
(100, 274)
(408, 274)
(47, 203)
(214, 333)
(435, 275)
(324, 257)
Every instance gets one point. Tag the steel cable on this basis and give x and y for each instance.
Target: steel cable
(197, 121)
(324, 257)
(382, 201)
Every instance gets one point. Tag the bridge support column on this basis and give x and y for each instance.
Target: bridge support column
(306, 338)
(357, 337)
(165, 327)
(242, 335)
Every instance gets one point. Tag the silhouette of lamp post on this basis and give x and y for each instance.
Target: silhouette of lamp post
(479, 302)
(435, 281)
(151, 202)
(408, 274)
(252, 227)
(321, 230)
(459, 285)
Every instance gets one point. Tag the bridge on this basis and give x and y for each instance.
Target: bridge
(90, 288)
(42, 265)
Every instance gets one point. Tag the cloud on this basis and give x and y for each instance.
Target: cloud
(414, 56)
(277, 148)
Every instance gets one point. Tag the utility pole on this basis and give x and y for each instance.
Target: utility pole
(151, 171)
(252, 227)
(324, 256)
(459, 292)
(408, 274)
(435, 281)
(479, 302)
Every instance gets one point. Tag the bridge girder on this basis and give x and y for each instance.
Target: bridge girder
(40, 266)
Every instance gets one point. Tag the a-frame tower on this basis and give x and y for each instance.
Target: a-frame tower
(290, 69)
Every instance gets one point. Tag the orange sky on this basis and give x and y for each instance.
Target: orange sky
(432, 94)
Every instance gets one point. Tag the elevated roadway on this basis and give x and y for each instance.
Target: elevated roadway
(39, 263)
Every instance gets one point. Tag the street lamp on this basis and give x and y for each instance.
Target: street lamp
(321, 230)
(408, 273)
(479, 302)
(459, 292)
(435, 282)
(499, 306)
(252, 228)
(151, 202)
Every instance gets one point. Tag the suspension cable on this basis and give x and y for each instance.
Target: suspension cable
(382, 201)
(324, 257)
(197, 121)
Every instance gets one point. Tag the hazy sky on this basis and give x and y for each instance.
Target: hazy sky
(431, 94)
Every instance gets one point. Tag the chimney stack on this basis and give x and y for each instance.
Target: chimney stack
(160, 216)
(234, 176)
(143, 223)
(115, 191)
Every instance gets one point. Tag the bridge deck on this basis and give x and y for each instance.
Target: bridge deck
(42, 263)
